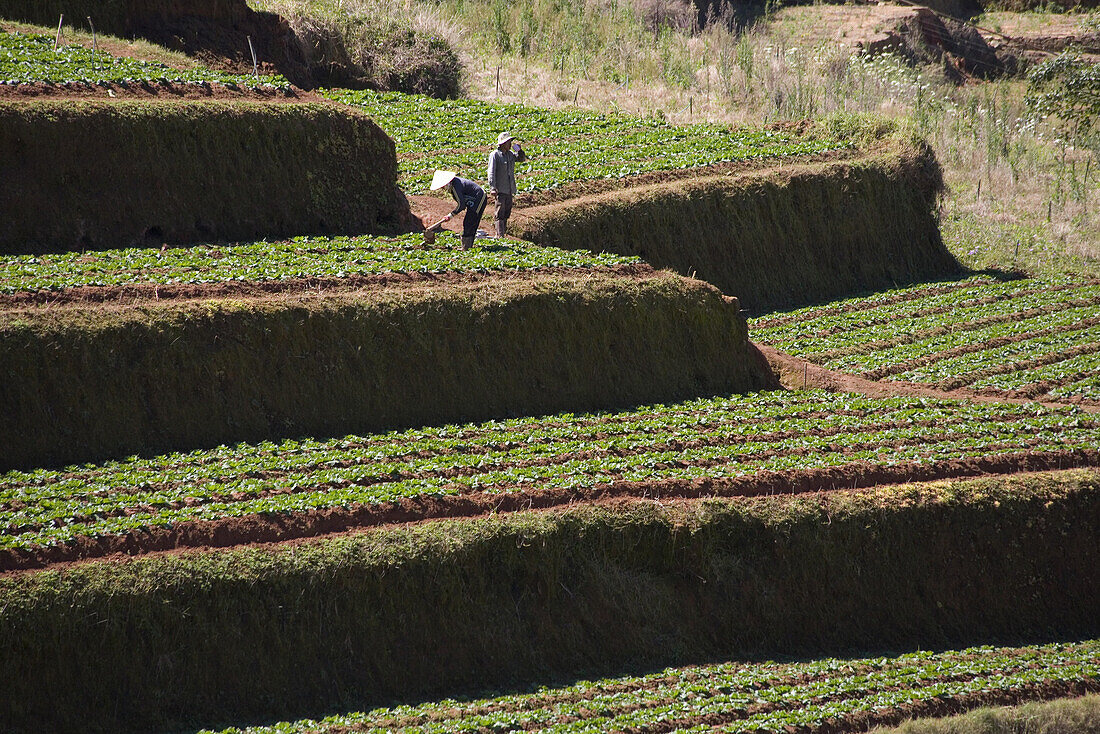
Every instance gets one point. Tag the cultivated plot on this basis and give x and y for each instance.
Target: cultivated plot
(1027, 338)
(566, 145)
(300, 257)
(845, 694)
(31, 58)
(711, 440)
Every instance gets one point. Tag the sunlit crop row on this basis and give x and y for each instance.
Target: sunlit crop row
(563, 145)
(712, 438)
(739, 697)
(1033, 335)
(301, 257)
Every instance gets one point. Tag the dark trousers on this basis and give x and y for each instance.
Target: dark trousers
(472, 219)
(504, 206)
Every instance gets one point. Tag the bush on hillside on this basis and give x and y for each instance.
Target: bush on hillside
(367, 46)
(1067, 88)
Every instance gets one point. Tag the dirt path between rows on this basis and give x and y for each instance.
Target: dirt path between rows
(795, 373)
(151, 90)
(431, 207)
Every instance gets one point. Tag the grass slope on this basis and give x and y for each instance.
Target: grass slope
(165, 172)
(88, 383)
(431, 609)
(789, 234)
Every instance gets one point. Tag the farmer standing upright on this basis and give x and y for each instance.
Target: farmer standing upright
(469, 196)
(502, 178)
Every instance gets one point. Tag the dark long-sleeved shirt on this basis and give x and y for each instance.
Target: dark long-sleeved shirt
(466, 193)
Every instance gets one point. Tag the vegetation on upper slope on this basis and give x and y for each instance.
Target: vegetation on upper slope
(1021, 193)
(565, 145)
(352, 44)
(1030, 337)
(26, 59)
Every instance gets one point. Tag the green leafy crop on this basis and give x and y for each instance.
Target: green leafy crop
(27, 59)
(769, 697)
(564, 145)
(301, 257)
(710, 438)
(1032, 336)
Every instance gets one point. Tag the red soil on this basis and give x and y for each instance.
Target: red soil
(150, 90)
(279, 528)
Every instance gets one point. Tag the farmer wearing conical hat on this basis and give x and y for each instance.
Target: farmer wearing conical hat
(469, 196)
(502, 178)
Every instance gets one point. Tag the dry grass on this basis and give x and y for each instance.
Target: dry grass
(1065, 716)
(382, 44)
(1039, 206)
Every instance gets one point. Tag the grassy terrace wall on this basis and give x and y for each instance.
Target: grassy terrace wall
(793, 234)
(117, 16)
(87, 175)
(438, 608)
(81, 384)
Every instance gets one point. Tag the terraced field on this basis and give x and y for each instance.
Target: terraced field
(566, 145)
(720, 444)
(301, 257)
(32, 58)
(1026, 338)
(834, 695)
(1022, 338)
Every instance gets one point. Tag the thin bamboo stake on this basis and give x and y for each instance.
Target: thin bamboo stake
(255, 66)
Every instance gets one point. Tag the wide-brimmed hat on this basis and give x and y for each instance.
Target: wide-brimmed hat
(505, 138)
(441, 179)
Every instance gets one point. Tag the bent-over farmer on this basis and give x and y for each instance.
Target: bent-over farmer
(469, 196)
(502, 178)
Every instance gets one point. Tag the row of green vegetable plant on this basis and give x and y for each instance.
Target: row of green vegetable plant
(30, 58)
(740, 697)
(301, 257)
(565, 145)
(1032, 335)
(711, 438)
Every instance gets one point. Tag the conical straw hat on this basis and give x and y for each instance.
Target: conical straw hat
(441, 179)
